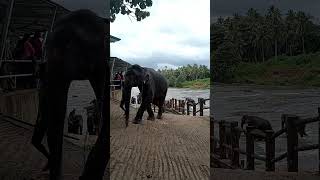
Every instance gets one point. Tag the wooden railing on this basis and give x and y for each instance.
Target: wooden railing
(184, 106)
(292, 123)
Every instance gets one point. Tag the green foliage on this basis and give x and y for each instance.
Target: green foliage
(133, 8)
(177, 77)
(254, 38)
(301, 70)
(197, 84)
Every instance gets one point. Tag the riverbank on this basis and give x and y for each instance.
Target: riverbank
(196, 84)
(302, 70)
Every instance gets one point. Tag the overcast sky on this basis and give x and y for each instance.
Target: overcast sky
(229, 7)
(176, 33)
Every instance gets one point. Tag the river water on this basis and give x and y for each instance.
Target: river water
(231, 102)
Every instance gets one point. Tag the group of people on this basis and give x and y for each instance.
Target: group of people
(29, 48)
(119, 78)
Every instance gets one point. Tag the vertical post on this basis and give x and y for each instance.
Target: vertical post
(222, 135)
(201, 102)
(179, 107)
(111, 77)
(188, 108)
(250, 148)
(292, 143)
(235, 144)
(319, 138)
(183, 107)
(175, 104)
(154, 108)
(194, 109)
(212, 141)
(6, 29)
(270, 150)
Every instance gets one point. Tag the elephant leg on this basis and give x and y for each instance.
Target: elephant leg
(140, 112)
(150, 112)
(57, 97)
(161, 103)
(98, 157)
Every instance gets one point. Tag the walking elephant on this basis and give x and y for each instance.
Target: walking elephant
(153, 88)
(76, 50)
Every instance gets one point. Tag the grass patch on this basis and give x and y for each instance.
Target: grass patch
(196, 84)
(296, 70)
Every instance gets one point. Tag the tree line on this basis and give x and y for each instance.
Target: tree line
(182, 74)
(256, 37)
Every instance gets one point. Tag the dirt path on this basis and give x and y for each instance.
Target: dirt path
(176, 147)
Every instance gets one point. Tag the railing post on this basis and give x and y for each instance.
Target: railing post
(175, 104)
(183, 107)
(194, 109)
(212, 141)
(270, 150)
(179, 107)
(154, 108)
(201, 102)
(292, 143)
(222, 135)
(250, 148)
(235, 144)
(188, 108)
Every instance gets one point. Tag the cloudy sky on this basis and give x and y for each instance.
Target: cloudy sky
(229, 7)
(176, 33)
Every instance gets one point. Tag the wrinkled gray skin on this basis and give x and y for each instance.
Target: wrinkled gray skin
(257, 122)
(76, 50)
(153, 87)
(301, 129)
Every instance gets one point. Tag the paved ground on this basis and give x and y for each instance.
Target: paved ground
(227, 174)
(19, 160)
(176, 147)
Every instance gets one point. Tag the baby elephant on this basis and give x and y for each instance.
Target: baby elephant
(257, 122)
(301, 129)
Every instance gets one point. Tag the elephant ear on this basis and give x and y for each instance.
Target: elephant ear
(146, 78)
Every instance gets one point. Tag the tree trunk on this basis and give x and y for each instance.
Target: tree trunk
(276, 49)
(303, 49)
(262, 51)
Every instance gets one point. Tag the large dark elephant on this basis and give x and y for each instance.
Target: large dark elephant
(153, 88)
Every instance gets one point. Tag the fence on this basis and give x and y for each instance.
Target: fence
(292, 125)
(184, 106)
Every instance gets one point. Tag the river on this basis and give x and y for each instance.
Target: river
(231, 102)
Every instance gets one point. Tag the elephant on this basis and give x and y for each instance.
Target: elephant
(153, 87)
(76, 49)
(257, 122)
(301, 129)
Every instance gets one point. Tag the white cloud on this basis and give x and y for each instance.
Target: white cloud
(166, 65)
(177, 30)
